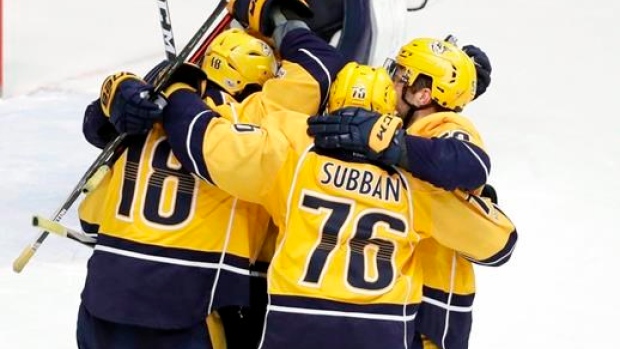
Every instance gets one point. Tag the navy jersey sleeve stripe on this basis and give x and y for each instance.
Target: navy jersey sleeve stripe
(186, 128)
(317, 57)
(448, 163)
(500, 257)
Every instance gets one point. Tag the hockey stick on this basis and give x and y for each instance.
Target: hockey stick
(171, 54)
(166, 29)
(97, 177)
(112, 150)
(199, 53)
(105, 167)
(59, 229)
(28, 252)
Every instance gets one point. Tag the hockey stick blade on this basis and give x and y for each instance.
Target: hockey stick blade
(29, 251)
(61, 230)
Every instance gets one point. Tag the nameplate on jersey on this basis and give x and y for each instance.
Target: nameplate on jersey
(362, 182)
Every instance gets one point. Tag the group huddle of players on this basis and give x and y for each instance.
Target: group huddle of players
(290, 198)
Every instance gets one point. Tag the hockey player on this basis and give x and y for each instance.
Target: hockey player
(171, 248)
(434, 80)
(344, 262)
(306, 70)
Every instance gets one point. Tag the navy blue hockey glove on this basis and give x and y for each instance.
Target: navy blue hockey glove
(372, 135)
(127, 101)
(483, 68)
(97, 128)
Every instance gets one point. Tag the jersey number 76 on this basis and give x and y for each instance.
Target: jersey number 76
(370, 262)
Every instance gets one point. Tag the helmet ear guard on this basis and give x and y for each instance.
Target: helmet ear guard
(235, 60)
(452, 72)
(362, 86)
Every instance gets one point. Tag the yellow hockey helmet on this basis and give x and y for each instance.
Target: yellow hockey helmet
(452, 71)
(235, 59)
(358, 85)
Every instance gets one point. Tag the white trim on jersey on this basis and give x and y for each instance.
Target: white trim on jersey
(336, 313)
(221, 264)
(325, 70)
(169, 260)
(484, 166)
(188, 143)
(446, 325)
(448, 307)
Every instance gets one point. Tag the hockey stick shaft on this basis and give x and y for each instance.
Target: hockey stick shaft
(166, 29)
(223, 24)
(189, 47)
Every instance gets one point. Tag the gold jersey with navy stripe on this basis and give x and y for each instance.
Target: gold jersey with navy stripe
(347, 230)
(445, 316)
(170, 247)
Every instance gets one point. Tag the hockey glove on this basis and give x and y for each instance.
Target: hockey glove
(377, 137)
(126, 100)
(97, 128)
(257, 15)
(483, 68)
(187, 74)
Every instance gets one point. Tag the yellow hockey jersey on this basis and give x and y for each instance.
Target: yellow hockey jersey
(170, 247)
(347, 230)
(445, 315)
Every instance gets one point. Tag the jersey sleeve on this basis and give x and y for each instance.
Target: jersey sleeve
(470, 224)
(303, 49)
(446, 150)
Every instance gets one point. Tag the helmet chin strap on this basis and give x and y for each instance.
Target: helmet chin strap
(412, 107)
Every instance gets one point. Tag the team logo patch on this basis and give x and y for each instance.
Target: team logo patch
(438, 47)
(230, 83)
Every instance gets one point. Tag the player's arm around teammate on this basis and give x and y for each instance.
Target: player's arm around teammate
(431, 77)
